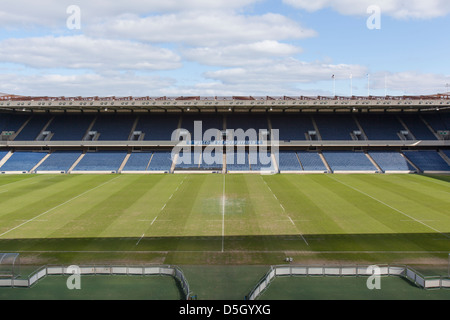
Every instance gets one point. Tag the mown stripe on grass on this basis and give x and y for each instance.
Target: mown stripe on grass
(391, 207)
(100, 210)
(409, 198)
(54, 208)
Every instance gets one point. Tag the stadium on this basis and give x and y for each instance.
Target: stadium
(127, 186)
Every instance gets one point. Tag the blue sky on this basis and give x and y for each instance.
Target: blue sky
(223, 48)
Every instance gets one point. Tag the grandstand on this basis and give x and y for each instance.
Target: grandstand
(315, 134)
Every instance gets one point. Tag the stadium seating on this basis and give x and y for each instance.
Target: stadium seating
(70, 127)
(311, 161)
(157, 127)
(418, 128)
(32, 130)
(238, 161)
(336, 127)
(3, 154)
(427, 160)
(114, 127)
(138, 161)
(247, 121)
(380, 127)
(216, 159)
(292, 127)
(260, 161)
(391, 161)
(288, 161)
(348, 161)
(10, 122)
(101, 161)
(208, 122)
(188, 160)
(437, 121)
(447, 153)
(60, 161)
(22, 161)
(161, 161)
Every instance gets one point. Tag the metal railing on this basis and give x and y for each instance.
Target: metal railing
(425, 282)
(165, 270)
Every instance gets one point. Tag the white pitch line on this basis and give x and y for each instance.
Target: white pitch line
(4, 191)
(56, 207)
(301, 235)
(284, 210)
(395, 209)
(140, 239)
(223, 214)
(168, 201)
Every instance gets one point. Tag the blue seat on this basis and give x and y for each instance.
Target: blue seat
(238, 161)
(59, 161)
(427, 160)
(138, 161)
(311, 161)
(288, 161)
(391, 161)
(101, 161)
(161, 161)
(23, 161)
(348, 161)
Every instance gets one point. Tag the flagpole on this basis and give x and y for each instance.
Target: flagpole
(351, 85)
(385, 85)
(334, 85)
(368, 85)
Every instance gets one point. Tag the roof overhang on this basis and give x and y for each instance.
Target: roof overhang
(225, 104)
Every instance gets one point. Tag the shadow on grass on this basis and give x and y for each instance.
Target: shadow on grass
(421, 243)
(441, 177)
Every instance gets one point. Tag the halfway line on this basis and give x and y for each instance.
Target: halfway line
(223, 214)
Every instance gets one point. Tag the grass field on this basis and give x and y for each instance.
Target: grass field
(234, 219)
(98, 288)
(348, 288)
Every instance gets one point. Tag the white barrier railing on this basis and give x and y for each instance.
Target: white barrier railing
(433, 282)
(42, 272)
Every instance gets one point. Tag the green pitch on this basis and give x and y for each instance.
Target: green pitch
(226, 219)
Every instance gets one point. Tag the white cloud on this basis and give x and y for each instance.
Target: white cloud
(256, 53)
(195, 28)
(400, 9)
(118, 84)
(81, 52)
(51, 13)
(411, 82)
(286, 71)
